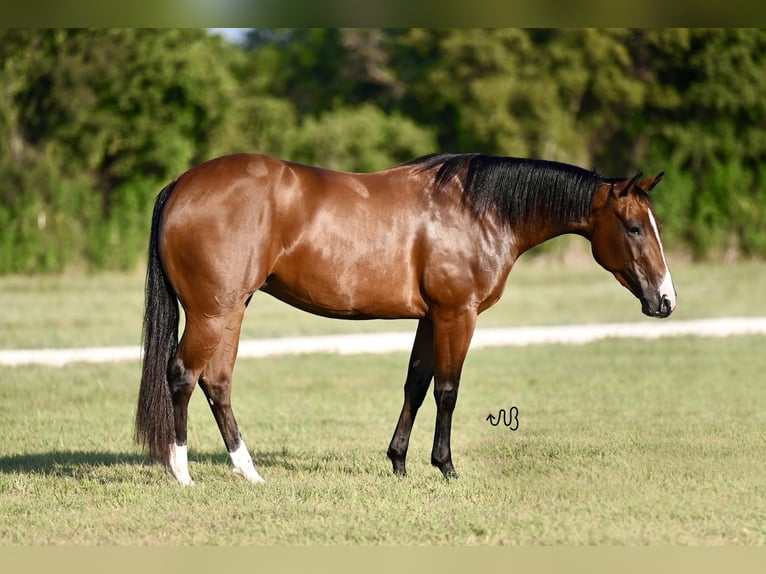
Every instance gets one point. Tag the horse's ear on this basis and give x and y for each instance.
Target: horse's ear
(648, 184)
(604, 193)
(628, 186)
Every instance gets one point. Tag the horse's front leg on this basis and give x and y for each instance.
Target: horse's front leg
(419, 374)
(453, 330)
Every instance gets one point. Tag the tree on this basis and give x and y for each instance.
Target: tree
(94, 122)
(710, 130)
(116, 114)
(360, 139)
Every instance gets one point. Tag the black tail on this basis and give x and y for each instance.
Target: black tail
(154, 415)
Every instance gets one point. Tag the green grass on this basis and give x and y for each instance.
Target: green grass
(619, 442)
(107, 309)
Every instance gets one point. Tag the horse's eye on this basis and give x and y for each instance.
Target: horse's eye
(634, 229)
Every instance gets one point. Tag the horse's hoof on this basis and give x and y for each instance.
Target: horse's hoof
(250, 474)
(447, 470)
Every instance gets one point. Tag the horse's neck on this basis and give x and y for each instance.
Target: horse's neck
(553, 210)
(542, 228)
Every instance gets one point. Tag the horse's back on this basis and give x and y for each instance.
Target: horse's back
(333, 243)
(254, 181)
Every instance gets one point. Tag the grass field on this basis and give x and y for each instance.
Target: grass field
(107, 309)
(619, 442)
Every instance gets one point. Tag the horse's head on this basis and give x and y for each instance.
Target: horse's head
(625, 239)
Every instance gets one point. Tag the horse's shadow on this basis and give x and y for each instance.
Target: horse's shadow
(67, 463)
(76, 464)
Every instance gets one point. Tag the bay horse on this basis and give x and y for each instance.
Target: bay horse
(432, 239)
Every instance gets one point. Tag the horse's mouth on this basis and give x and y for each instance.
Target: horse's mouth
(661, 308)
(659, 304)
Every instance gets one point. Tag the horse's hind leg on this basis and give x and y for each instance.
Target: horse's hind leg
(198, 343)
(215, 382)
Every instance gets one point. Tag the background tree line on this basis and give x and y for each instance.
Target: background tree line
(94, 122)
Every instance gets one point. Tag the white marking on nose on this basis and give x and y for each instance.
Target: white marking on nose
(666, 288)
(179, 464)
(243, 464)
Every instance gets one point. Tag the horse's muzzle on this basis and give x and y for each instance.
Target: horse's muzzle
(666, 307)
(662, 307)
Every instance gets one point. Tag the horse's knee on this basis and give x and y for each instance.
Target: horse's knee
(217, 398)
(446, 396)
(416, 389)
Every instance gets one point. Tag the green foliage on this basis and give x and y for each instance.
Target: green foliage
(94, 122)
(43, 214)
(118, 239)
(360, 139)
(263, 123)
(709, 130)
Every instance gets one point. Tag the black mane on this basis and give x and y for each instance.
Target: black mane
(517, 189)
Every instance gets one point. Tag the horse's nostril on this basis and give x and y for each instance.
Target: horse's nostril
(665, 305)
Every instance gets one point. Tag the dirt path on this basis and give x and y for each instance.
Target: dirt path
(377, 343)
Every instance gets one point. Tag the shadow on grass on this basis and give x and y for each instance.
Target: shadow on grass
(66, 463)
(74, 463)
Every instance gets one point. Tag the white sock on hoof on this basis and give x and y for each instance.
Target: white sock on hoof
(179, 464)
(243, 464)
